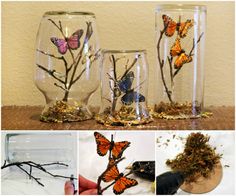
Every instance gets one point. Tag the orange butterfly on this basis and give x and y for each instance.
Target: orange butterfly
(182, 57)
(121, 182)
(103, 145)
(172, 26)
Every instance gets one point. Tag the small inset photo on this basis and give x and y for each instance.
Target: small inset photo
(39, 163)
(117, 163)
(195, 162)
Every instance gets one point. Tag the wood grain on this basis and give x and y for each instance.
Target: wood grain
(27, 118)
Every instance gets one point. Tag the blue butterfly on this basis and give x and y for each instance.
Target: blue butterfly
(130, 95)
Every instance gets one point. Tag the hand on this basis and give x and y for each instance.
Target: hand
(86, 187)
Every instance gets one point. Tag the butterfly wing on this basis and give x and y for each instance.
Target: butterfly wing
(74, 40)
(170, 25)
(61, 44)
(132, 96)
(110, 174)
(184, 27)
(123, 183)
(103, 144)
(182, 59)
(119, 148)
(126, 82)
(176, 48)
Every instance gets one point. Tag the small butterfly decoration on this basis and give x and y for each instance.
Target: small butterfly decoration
(171, 26)
(182, 57)
(72, 42)
(121, 181)
(130, 95)
(104, 145)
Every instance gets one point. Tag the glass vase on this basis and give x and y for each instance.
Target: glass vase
(180, 39)
(67, 67)
(124, 88)
(40, 147)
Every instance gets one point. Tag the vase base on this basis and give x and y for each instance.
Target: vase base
(177, 111)
(61, 112)
(124, 117)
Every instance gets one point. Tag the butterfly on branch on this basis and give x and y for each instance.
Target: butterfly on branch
(177, 51)
(103, 145)
(121, 182)
(130, 95)
(172, 26)
(73, 42)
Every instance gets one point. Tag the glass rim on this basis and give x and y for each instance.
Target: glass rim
(179, 7)
(71, 13)
(105, 51)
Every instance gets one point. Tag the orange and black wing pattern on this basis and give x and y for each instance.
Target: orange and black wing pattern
(111, 174)
(184, 27)
(119, 148)
(169, 25)
(176, 48)
(182, 59)
(103, 144)
(123, 183)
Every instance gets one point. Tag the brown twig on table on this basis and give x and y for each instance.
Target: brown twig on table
(161, 63)
(190, 53)
(41, 167)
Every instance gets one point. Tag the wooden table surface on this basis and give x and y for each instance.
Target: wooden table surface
(27, 118)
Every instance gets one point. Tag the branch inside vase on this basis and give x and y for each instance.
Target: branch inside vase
(161, 64)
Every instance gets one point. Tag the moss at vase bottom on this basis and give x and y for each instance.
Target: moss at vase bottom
(126, 116)
(62, 111)
(179, 111)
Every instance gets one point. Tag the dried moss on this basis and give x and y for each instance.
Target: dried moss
(62, 111)
(198, 158)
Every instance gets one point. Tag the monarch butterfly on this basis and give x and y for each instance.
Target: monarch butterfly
(182, 57)
(121, 182)
(172, 26)
(103, 145)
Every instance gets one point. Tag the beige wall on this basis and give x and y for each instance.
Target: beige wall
(121, 25)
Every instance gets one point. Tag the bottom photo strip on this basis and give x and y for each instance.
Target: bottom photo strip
(118, 162)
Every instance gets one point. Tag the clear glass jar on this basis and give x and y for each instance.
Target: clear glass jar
(67, 67)
(41, 147)
(124, 88)
(180, 38)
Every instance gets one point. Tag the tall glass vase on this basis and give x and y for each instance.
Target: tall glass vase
(124, 88)
(67, 68)
(180, 39)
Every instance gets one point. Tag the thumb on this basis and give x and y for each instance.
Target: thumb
(69, 188)
(90, 192)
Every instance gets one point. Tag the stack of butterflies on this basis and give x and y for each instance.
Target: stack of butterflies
(182, 28)
(115, 149)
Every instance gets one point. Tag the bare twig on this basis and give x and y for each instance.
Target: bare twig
(161, 63)
(190, 53)
(51, 73)
(130, 67)
(41, 167)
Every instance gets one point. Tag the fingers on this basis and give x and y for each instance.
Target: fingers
(69, 188)
(89, 192)
(86, 184)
